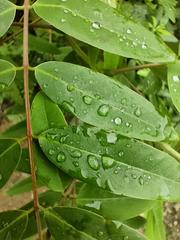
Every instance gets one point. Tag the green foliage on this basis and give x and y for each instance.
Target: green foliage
(104, 93)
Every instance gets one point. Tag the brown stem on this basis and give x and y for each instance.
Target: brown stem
(128, 69)
(28, 114)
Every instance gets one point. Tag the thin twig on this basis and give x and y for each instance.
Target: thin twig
(128, 69)
(28, 114)
(167, 148)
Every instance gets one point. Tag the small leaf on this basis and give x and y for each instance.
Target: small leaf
(110, 205)
(94, 22)
(174, 83)
(45, 114)
(7, 14)
(73, 223)
(16, 131)
(111, 107)
(128, 167)
(7, 72)
(13, 224)
(10, 152)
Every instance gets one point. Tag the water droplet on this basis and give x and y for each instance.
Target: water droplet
(129, 31)
(134, 176)
(63, 0)
(124, 101)
(125, 238)
(144, 45)
(93, 162)
(76, 164)
(87, 100)
(118, 121)
(141, 180)
(63, 138)
(121, 153)
(61, 157)
(103, 110)
(70, 87)
(96, 25)
(176, 78)
(68, 106)
(128, 145)
(128, 124)
(76, 154)
(66, 11)
(45, 85)
(107, 162)
(97, 96)
(115, 171)
(137, 112)
(100, 233)
(56, 70)
(51, 152)
(111, 138)
(1, 177)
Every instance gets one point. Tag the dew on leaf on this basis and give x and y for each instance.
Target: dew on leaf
(128, 124)
(121, 153)
(93, 162)
(141, 180)
(96, 25)
(137, 112)
(63, 20)
(118, 121)
(111, 138)
(76, 154)
(45, 85)
(68, 106)
(129, 31)
(144, 45)
(66, 11)
(124, 101)
(76, 164)
(176, 78)
(107, 162)
(51, 152)
(70, 87)
(100, 233)
(61, 157)
(87, 100)
(103, 110)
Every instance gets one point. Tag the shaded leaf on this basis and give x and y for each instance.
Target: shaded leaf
(7, 14)
(73, 223)
(174, 83)
(110, 205)
(169, 8)
(7, 71)
(94, 22)
(111, 107)
(128, 167)
(10, 152)
(13, 224)
(45, 114)
(16, 131)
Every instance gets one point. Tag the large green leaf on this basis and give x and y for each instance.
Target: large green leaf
(110, 205)
(13, 224)
(45, 114)
(174, 83)
(98, 24)
(73, 223)
(7, 73)
(100, 101)
(7, 14)
(10, 152)
(128, 167)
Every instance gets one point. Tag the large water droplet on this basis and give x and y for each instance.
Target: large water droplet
(103, 110)
(61, 157)
(137, 112)
(87, 100)
(70, 87)
(96, 25)
(93, 162)
(176, 78)
(76, 154)
(118, 121)
(107, 162)
(111, 138)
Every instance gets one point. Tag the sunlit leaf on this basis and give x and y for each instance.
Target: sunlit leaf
(99, 25)
(127, 167)
(100, 101)
(7, 74)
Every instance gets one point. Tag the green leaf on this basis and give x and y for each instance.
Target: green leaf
(7, 72)
(16, 131)
(13, 224)
(73, 223)
(10, 152)
(174, 83)
(7, 14)
(94, 22)
(111, 107)
(155, 228)
(24, 164)
(110, 205)
(169, 8)
(45, 114)
(47, 172)
(128, 167)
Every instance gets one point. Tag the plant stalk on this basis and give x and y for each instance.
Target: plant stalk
(28, 114)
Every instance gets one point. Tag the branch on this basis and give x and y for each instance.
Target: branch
(28, 114)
